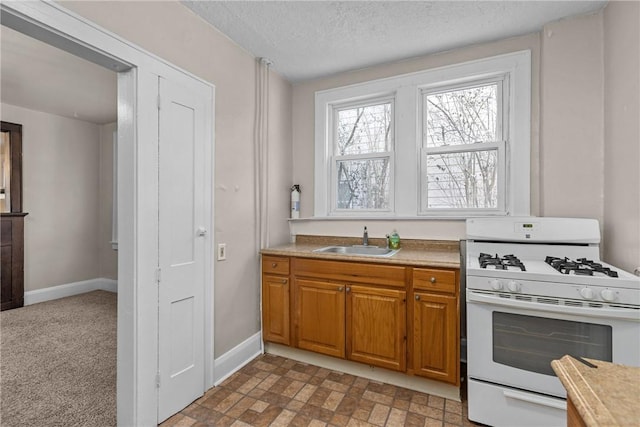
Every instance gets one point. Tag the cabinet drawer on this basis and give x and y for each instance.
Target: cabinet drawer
(372, 274)
(434, 280)
(275, 265)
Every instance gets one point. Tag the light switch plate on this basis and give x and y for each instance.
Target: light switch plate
(222, 251)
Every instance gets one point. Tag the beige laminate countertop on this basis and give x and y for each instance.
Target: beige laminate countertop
(418, 253)
(608, 395)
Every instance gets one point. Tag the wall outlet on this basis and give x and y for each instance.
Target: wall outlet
(222, 251)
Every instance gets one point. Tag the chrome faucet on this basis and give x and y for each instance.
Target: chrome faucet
(365, 237)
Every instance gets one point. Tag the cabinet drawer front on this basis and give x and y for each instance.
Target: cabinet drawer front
(434, 280)
(275, 265)
(374, 274)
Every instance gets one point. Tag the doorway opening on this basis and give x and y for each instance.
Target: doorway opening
(138, 196)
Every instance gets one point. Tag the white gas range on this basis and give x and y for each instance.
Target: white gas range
(536, 290)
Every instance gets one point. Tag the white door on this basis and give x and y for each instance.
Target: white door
(182, 237)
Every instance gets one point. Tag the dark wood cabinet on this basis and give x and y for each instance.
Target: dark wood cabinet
(11, 218)
(11, 260)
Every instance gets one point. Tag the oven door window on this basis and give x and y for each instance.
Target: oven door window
(531, 343)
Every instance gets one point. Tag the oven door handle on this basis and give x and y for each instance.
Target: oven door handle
(620, 313)
(538, 400)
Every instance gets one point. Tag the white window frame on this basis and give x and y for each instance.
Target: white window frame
(407, 92)
(335, 158)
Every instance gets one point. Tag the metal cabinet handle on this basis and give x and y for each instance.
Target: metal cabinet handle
(340, 288)
(432, 280)
(348, 289)
(274, 265)
(417, 297)
(284, 280)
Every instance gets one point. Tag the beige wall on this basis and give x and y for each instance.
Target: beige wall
(572, 124)
(584, 129)
(61, 157)
(173, 32)
(107, 256)
(622, 134)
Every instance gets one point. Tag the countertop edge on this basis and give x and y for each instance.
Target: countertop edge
(582, 395)
(377, 260)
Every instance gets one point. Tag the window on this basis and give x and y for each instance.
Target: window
(447, 142)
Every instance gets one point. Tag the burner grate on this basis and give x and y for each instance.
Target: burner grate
(500, 263)
(581, 266)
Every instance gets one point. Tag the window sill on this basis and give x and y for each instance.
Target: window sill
(377, 218)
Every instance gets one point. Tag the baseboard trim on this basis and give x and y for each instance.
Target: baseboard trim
(69, 289)
(422, 385)
(234, 359)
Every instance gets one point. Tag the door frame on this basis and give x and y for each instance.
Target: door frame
(138, 70)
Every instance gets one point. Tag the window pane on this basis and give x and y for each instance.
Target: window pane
(364, 130)
(462, 116)
(462, 180)
(363, 184)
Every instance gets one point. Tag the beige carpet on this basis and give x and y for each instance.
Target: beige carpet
(58, 362)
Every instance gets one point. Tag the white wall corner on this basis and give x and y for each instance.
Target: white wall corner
(70, 289)
(230, 362)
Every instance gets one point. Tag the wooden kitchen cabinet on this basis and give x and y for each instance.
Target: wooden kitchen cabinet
(396, 317)
(435, 325)
(320, 316)
(275, 309)
(376, 326)
(352, 310)
(276, 300)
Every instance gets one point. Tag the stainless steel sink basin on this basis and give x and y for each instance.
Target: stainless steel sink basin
(373, 251)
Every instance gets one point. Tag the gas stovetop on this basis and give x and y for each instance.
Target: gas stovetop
(573, 269)
(565, 265)
(544, 256)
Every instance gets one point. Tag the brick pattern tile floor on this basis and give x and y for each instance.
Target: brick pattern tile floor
(274, 391)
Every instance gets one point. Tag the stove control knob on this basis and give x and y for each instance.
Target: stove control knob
(496, 285)
(587, 293)
(513, 286)
(608, 295)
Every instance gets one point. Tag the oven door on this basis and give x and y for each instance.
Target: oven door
(512, 342)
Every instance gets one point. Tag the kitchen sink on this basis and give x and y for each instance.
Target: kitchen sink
(360, 250)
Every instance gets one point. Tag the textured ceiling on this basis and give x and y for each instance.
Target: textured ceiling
(311, 39)
(40, 77)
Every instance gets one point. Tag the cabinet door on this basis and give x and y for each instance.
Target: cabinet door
(435, 345)
(320, 316)
(275, 309)
(376, 327)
